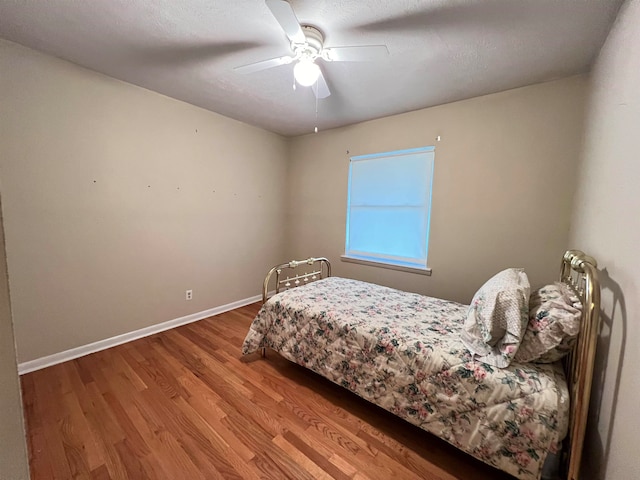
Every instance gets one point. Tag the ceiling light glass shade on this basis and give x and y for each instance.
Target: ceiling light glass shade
(306, 72)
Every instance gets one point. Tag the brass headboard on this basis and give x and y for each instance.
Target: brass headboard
(320, 267)
(579, 271)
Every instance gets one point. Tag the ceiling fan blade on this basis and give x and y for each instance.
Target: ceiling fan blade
(287, 19)
(320, 88)
(437, 16)
(364, 53)
(193, 53)
(264, 64)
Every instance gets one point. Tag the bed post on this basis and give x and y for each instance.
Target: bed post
(580, 271)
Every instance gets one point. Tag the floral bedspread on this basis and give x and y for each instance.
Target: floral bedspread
(403, 352)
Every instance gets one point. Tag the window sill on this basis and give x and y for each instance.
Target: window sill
(371, 263)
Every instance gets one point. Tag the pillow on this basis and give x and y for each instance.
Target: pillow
(497, 317)
(554, 323)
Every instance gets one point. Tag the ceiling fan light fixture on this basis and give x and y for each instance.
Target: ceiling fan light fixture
(306, 72)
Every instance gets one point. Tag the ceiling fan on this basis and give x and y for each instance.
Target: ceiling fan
(307, 46)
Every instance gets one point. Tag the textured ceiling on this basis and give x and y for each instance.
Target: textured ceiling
(439, 50)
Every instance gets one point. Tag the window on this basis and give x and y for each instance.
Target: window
(388, 208)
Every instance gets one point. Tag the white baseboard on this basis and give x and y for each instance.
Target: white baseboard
(43, 362)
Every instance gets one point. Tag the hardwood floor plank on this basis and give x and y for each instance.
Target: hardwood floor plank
(82, 453)
(185, 404)
(51, 422)
(344, 466)
(315, 456)
(130, 460)
(132, 436)
(301, 459)
(113, 462)
(161, 457)
(39, 459)
(215, 369)
(406, 458)
(100, 473)
(157, 370)
(207, 408)
(207, 439)
(101, 418)
(31, 416)
(182, 464)
(270, 460)
(126, 370)
(84, 372)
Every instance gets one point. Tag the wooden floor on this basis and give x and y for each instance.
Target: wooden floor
(184, 404)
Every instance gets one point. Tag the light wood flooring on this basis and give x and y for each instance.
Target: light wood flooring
(184, 404)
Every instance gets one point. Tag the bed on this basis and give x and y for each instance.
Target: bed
(404, 353)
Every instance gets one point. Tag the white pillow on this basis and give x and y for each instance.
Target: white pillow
(497, 317)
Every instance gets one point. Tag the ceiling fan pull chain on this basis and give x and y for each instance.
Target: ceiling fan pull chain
(316, 127)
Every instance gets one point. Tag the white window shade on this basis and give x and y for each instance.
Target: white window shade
(388, 207)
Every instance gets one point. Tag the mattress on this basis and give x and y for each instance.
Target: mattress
(402, 352)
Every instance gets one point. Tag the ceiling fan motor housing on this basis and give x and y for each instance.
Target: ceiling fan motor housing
(312, 48)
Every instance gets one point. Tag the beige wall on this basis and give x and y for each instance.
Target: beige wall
(118, 199)
(502, 194)
(13, 449)
(606, 223)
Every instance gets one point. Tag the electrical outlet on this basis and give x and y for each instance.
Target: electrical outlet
(189, 294)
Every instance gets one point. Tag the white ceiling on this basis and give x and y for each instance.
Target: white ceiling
(439, 50)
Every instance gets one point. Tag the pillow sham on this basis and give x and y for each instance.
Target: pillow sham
(554, 323)
(497, 317)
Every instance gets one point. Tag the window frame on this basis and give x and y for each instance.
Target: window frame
(388, 261)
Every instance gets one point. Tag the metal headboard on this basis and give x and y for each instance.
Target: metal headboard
(580, 272)
(321, 268)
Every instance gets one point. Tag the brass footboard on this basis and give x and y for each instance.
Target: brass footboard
(320, 268)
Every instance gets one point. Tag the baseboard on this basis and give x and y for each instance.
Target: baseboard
(49, 360)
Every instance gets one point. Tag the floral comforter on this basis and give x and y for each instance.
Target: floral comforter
(402, 351)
